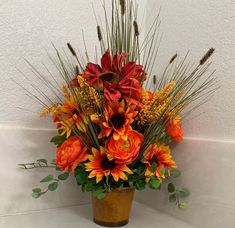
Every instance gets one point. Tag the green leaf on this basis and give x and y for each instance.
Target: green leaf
(175, 173)
(81, 178)
(58, 140)
(133, 178)
(58, 168)
(172, 198)
(184, 192)
(183, 205)
(63, 176)
(153, 167)
(36, 194)
(163, 172)
(171, 187)
(120, 188)
(141, 169)
(140, 184)
(47, 179)
(99, 194)
(42, 161)
(89, 187)
(155, 184)
(37, 190)
(53, 186)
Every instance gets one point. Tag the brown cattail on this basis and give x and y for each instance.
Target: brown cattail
(77, 70)
(99, 33)
(207, 56)
(122, 3)
(136, 28)
(154, 79)
(71, 49)
(173, 58)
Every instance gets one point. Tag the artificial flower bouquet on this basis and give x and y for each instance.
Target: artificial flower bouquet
(116, 120)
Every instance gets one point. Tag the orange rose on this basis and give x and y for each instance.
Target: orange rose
(124, 151)
(175, 129)
(70, 154)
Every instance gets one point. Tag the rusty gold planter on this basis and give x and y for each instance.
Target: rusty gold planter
(114, 209)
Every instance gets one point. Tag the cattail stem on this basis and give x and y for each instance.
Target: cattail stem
(136, 28)
(71, 49)
(77, 70)
(74, 54)
(100, 38)
(207, 56)
(99, 33)
(122, 3)
(173, 58)
(154, 79)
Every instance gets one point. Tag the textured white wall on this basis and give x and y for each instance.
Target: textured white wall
(27, 28)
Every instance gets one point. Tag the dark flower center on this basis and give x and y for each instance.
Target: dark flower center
(109, 77)
(75, 111)
(154, 159)
(106, 164)
(117, 120)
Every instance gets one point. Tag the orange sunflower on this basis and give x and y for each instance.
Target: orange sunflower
(161, 155)
(117, 119)
(125, 152)
(68, 116)
(100, 165)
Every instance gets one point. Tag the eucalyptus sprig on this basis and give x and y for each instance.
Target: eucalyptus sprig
(40, 163)
(177, 195)
(52, 186)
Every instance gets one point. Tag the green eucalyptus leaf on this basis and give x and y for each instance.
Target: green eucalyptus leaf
(140, 184)
(58, 168)
(37, 190)
(171, 187)
(133, 178)
(155, 184)
(101, 196)
(175, 173)
(58, 140)
(163, 172)
(81, 178)
(36, 195)
(172, 198)
(53, 186)
(183, 205)
(42, 161)
(141, 169)
(63, 176)
(47, 178)
(89, 187)
(120, 188)
(184, 192)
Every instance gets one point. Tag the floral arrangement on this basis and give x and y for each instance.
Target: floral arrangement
(116, 120)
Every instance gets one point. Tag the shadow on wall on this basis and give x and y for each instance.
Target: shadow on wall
(20, 145)
(208, 171)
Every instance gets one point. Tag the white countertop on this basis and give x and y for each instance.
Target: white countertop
(81, 216)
